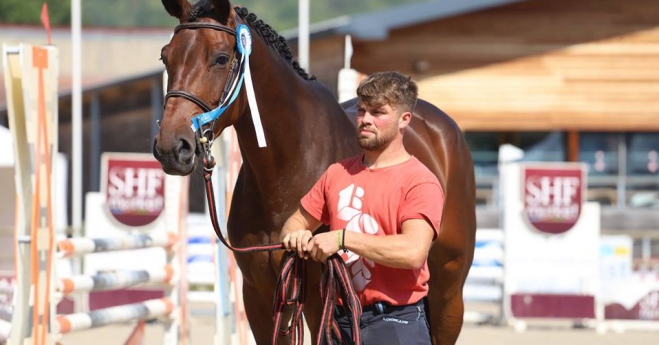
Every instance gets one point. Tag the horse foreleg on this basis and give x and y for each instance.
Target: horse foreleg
(259, 314)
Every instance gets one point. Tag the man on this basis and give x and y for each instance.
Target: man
(384, 208)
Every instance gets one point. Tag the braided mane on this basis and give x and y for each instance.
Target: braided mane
(203, 8)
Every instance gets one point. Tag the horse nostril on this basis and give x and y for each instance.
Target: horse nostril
(184, 150)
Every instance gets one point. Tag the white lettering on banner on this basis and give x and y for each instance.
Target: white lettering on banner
(542, 189)
(135, 189)
(146, 205)
(554, 211)
(128, 183)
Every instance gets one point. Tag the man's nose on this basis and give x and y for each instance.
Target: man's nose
(368, 118)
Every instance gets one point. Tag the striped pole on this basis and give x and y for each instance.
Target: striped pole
(114, 280)
(102, 317)
(81, 246)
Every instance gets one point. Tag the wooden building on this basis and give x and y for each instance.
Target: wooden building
(563, 80)
(513, 65)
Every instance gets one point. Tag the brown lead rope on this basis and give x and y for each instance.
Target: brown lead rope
(290, 285)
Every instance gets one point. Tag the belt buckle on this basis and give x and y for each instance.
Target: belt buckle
(380, 307)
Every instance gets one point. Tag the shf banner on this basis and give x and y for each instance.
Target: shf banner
(551, 240)
(134, 189)
(132, 200)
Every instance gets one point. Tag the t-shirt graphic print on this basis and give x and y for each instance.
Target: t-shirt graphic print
(349, 210)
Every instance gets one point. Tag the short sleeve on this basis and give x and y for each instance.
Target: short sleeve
(314, 201)
(424, 201)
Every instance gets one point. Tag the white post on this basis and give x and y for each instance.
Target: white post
(303, 35)
(347, 56)
(81, 303)
(76, 118)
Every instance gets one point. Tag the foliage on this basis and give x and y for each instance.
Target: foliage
(280, 14)
(29, 11)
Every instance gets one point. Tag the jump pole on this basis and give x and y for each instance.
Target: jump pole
(31, 80)
(31, 75)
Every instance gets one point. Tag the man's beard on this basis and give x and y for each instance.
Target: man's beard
(371, 144)
(378, 142)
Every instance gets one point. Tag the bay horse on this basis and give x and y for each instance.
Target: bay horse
(306, 130)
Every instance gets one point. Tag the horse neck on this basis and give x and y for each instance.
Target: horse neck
(291, 109)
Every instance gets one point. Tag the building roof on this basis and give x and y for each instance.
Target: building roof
(376, 25)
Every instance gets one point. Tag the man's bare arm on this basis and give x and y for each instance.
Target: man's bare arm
(407, 250)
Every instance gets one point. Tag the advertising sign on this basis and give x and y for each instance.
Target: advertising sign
(553, 196)
(551, 237)
(134, 188)
(626, 295)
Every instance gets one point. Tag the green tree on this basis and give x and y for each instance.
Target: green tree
(282, 14)
(142, 13)
(29, 11)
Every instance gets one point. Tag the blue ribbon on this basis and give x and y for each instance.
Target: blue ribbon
(205, 118)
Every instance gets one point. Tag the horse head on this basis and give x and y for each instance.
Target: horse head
(202, 63)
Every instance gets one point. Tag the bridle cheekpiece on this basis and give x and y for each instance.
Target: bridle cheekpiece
(238, 72)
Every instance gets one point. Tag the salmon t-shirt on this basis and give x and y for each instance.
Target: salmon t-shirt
(377, 201)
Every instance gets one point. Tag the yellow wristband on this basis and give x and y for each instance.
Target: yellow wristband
(343, 240)
(339, 239)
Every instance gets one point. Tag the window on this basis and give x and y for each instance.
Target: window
(643, 154)
(484, 147)
(542, 146)
(643, 170)
(600, 152)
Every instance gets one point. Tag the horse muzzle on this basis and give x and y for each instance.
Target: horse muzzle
(176, 156)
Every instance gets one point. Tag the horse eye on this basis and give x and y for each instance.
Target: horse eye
(221, 60)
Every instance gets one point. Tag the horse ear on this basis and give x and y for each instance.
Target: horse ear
(176, 8)
(222, 9)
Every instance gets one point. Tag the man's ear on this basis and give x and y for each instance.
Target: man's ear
(404, 119)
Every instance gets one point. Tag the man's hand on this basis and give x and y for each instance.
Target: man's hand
(323, 245)
(295, 239)
(298, 241)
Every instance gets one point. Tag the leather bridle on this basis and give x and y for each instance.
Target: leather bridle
(232, 72)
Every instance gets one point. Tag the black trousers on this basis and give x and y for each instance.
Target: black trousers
(382, 324)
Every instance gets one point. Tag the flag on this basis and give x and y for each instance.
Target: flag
(46, 22)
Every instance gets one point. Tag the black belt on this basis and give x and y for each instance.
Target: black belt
(386, 308)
